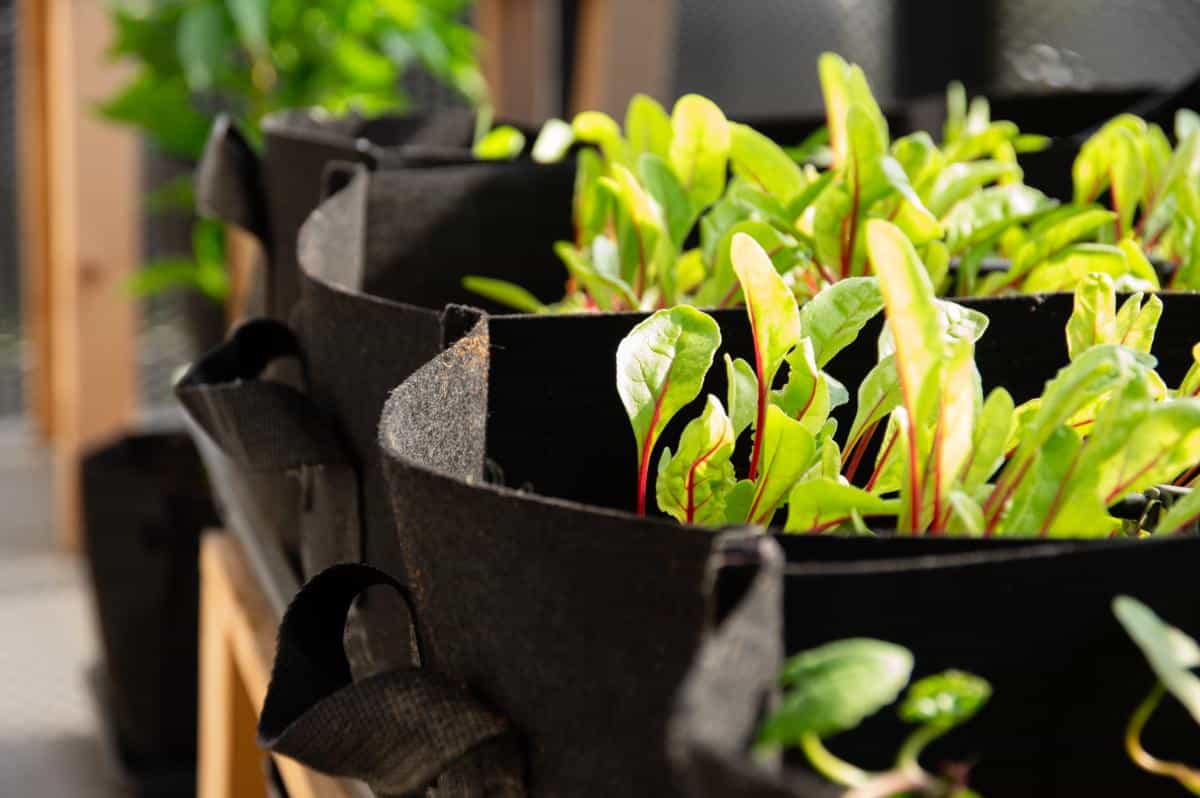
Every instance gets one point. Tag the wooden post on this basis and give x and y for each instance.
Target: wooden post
(93, 213)
(33, 198)
(522, 56)
(237, 640)
(623, 47)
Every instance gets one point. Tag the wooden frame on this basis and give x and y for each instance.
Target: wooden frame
(237, 641)
(623, 47)
(81, 230)
(522, 56)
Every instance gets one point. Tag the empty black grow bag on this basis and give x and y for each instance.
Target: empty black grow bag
(577, 620)
(271, 195)
(145, 503)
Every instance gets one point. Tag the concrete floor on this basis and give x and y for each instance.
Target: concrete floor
(50, 743)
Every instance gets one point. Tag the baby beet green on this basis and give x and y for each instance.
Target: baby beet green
(1172, 655)
(660, 368)
(833, 688)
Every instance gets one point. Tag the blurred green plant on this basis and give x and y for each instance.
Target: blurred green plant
(248, 58)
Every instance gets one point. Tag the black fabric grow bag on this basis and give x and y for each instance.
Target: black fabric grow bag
(381, 260)
(1034, 619)
(578, 620)
(145, 503)
(271, 195)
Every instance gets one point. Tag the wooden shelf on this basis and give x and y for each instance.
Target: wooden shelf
(237, 645)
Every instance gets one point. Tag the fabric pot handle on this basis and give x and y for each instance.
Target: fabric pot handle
(732, 680)
(400, 730)
(265, 426)
(229, 183)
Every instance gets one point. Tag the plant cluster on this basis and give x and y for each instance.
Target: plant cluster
(950, 460)
(1153, 190)
(658, 201)
(834, 687)
(197, 58)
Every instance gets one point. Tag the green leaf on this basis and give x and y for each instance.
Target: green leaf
(1094, 316)
(845, 86)
(912, 318)
(591, 203)
(250, 18)
(836, 315)
(1184, 513)
(699, 151)
(1042, 494)
(787, 452)
(647, 127)
(1158, 447)
(661, 183)
(661, 366)
(1066, 269)
(163, 109)
(834, 687)
(692, 485)
(171, 273)
(742, 394)
(1172, 654)
(504, 293)
(919, 157)
(959, 180)
(878, 395)
(831, 210)
(945, 699)
(203, 44)
(761, 161)
(774, 317)
(805, 397)
(1136, 323)
(594, 127)
(911, 215)
(1067, 229)
(956, 111)
(954, 432)
(502, 143)
(737, 502)
(1191, 381)
(553, 142)
(986, 214)
(1128, 179)
(991, 139)
(721, 289)
(606, 288)
(990, 440)
(819, 504)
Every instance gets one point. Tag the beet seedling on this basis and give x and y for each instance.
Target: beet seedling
(1172, 656)
(833, 688)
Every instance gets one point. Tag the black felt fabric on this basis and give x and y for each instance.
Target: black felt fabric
(615, 603)
(732, 683)
(381, 259)
(399, 730)
(272, 195)
(304, 486)
(145, 503)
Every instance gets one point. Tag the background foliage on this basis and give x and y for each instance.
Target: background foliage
(197, 58)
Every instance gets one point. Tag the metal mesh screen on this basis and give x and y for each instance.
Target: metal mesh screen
(760, 58)
(1085, 43)
(11, 340)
